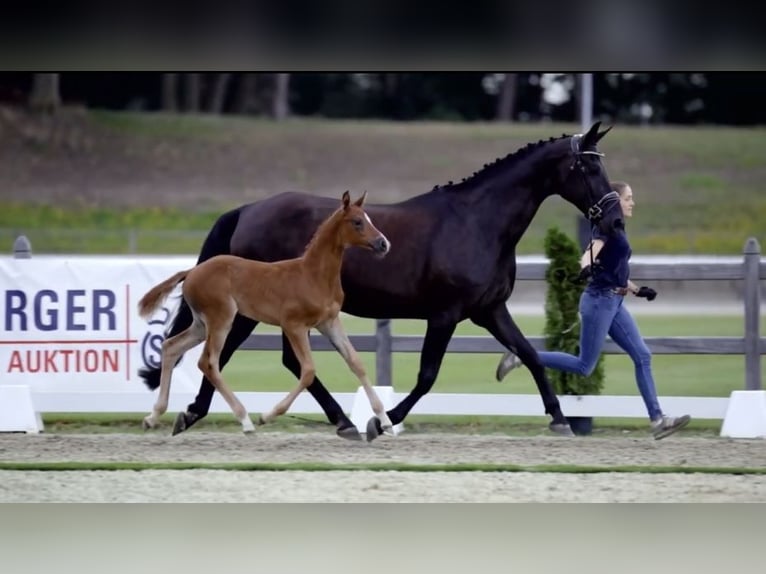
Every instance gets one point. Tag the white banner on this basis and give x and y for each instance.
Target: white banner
(71, 324)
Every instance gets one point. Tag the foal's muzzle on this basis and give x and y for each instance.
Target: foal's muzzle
(380, 246)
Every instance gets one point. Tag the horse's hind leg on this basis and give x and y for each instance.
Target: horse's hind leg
(299, 341)
(333, 330)
(208, 363)
(172, 349)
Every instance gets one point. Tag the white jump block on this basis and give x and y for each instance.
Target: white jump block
(17, 411)
(361, 412)
(745, 415)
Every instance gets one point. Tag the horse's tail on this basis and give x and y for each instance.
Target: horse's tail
(157, 294)
(217, 242)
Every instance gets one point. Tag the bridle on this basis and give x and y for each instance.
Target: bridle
(596, 209)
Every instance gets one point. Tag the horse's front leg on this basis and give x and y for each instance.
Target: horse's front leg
(438, 334)
(498, 321)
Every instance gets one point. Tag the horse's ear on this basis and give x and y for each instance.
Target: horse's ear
(359, 202)
(593, 136)
(590, 138)
(601, 134)
(346, 199)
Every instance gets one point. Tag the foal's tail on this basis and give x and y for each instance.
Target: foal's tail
(150, 302)
(217, 242)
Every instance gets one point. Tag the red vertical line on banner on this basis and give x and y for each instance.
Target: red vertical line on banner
(127, 332)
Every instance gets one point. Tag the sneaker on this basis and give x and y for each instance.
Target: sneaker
(506, 365)
(666, 425)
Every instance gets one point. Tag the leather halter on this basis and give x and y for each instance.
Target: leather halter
(596, 209)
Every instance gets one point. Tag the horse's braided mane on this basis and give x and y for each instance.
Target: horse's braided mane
(491, 168)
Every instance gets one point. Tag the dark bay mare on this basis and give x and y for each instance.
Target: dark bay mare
(452, 258)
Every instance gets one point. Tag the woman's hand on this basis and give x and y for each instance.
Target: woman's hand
(646, 292)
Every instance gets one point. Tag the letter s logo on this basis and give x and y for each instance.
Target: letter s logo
(151, 345)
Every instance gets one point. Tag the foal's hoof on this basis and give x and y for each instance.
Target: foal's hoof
(247, 426)
(562, 429)
(348, 431)
(184, 421)
(374, 429)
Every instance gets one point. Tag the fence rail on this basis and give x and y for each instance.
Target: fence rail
(750, 271)
(479, 344)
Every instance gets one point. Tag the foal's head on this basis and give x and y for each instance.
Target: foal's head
(356, 228)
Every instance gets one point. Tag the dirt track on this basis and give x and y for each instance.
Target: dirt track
(407, 448)
(352, 486)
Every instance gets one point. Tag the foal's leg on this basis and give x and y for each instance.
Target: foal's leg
(333, 330)
(299, 341)
(195, 411)
(344, 428)
(172, 349)
(217, 330)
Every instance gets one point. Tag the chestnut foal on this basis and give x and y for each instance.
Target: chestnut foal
(294, 294)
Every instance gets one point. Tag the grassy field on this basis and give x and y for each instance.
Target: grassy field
(122, 182)
(691, 375)
(106, 182)
(676, 375)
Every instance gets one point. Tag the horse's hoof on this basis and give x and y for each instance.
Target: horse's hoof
(562, 429)
(248, 427)
(147, 424)
(183, 421)
(260, 420)
(374, 429)
(349, 432)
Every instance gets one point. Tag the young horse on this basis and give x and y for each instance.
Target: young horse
(295, 294)
(455, 259)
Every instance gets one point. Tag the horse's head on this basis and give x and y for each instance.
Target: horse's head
(356, 228)
(583, 181)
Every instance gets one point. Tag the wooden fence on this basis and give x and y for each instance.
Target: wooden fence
(749, 271)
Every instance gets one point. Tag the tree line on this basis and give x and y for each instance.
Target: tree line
(647, 98)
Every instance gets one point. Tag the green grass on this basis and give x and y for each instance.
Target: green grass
(682, 177)
(676, 375)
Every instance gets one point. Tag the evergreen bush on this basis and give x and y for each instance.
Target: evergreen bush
(562, 325)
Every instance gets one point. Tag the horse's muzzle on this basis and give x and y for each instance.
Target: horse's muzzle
(611, 222)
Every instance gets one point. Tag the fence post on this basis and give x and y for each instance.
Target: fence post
(383, 352)
(22, 248)
(752, 264)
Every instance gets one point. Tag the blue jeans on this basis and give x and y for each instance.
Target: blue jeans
(602, 312)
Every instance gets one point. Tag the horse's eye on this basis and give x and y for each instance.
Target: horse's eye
(357, 223)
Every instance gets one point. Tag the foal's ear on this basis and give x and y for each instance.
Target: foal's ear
(346, 199)
(360, 202)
